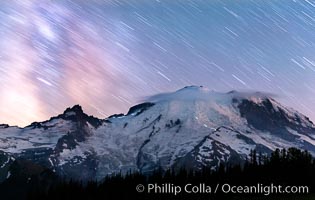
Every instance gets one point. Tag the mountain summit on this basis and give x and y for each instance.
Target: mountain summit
(192, 127)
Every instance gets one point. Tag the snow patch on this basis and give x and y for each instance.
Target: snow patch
(9, 174)
(5, 163)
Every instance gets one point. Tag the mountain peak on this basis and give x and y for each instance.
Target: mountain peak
(75, 110)
(188, 93)
(193, 88)
(192, 93)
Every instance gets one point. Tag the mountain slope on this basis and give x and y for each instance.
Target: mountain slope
(192, 127)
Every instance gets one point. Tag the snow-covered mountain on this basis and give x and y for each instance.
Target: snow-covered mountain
(192, 127)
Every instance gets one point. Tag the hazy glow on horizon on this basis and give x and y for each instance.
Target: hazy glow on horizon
(108, 55)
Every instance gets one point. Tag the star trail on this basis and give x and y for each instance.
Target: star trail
(110, 55)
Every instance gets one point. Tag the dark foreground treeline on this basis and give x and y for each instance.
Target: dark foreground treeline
(290, 167)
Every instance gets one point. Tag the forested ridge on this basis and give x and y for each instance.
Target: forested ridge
(283, 167)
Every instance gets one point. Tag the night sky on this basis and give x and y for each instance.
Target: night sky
(110, 55)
